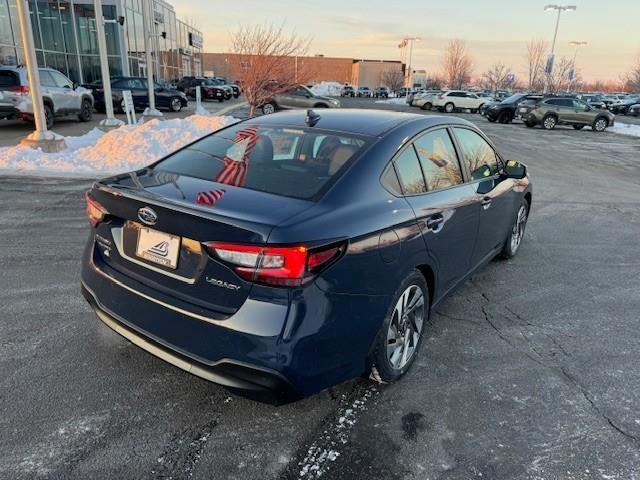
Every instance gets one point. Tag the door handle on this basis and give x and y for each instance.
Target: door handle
(486, 202)
(435, 223)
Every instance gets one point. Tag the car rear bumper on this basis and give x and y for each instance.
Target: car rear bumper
(8, 111)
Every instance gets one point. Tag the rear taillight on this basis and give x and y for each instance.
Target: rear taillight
(440, 97)
(21, 89)
(278, 266)
(95, 211)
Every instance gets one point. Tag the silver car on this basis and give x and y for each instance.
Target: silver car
(60, 95)
(298, 97)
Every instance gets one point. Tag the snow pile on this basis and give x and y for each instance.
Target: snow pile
(393, 101)
(123, 149)
(626, 129)
(327, 89)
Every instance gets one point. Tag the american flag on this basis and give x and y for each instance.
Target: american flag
(235, 170)
(210, 197)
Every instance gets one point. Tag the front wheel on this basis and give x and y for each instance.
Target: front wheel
(529, 124)
(268, 108)
(514, 239)
(401, 332)
(600, 125)
(504, 117)
(449, 107)
(175, 104)
(86, 111)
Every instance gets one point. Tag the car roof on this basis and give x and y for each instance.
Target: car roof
(357, 121)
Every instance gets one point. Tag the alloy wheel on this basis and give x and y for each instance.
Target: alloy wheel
(405, 327)
(176, 105)
(518, 229)
(549, 123)
(268, 109)
(449, 107)
(601, 124)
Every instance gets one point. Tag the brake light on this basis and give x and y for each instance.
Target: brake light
(21, 89)
(277, 266)
(95, 211)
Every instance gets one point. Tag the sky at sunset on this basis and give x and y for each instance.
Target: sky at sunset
(495, 30)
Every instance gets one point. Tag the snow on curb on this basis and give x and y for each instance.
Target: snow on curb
(123, 149)
(393, 101)
(626, 129)
(327, 89)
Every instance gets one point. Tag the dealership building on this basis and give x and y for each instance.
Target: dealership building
(65, 38)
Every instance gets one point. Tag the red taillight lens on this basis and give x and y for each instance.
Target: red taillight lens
(21, 89)
(278, 266)
(95, 211)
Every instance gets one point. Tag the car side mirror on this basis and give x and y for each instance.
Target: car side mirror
(515, 169)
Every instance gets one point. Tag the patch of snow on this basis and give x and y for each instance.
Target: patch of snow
(626, 129)
(126, 148)
(200, 110)
(393, 101)
(327, 89)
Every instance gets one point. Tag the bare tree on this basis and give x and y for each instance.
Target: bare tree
(559, 79)
(435, 82)
(265, 61)
(632, 78)
(457, 64)
(393, 79)
(535, 63)
(495, 78)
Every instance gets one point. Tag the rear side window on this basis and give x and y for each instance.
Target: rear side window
(477, 153)
(46, 79)
(292, 162)
(410, 173)
(439, 161)
(8, 79)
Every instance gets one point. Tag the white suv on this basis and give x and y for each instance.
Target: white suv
(458, 99)
(59, 94)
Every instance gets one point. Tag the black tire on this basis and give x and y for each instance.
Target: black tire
(449, 107)
(382, 369)
(321, 105)
(549, 122)
(121, 107)
(236, 95)
(427, 106)
(600, 124)
(529, 124)
(578, 127)
(86, 111)
(175, 104)
(491, 119)
(511, 246)
(504, 117)
(48, 116)
(220, 100)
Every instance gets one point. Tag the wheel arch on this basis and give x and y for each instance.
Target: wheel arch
(86, 96)
(429, 276)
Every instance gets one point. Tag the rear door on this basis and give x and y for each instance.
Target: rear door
(70, 100)
(494, 195)
(432, 182)
(51, 90)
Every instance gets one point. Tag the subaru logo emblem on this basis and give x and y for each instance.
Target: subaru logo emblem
(147, 216)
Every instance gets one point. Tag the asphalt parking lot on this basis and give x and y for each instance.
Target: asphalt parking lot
(530, 370)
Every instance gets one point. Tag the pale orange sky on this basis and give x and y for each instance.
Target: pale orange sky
(495, 30)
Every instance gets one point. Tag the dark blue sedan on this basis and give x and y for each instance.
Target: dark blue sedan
(285, 254)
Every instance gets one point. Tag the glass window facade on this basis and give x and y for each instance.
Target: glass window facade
(66, 39)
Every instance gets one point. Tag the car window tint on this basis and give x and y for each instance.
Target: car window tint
(8, 79)
(390, 180)
(579, 105)
(438, 159)
(566, 102)
(410, 173)
(60, 80)
(46, 79)
(479, 155)
(267, 159)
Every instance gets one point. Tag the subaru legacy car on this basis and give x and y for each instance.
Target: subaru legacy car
(291, 252)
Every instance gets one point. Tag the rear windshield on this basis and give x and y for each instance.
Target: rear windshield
(8, 79)
(292, 162)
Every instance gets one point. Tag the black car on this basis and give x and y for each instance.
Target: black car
(209, 89)
(294, 251)
(234, 87)
(348, 91)
(624, 106)
(165, 98)
(381, 92)
(506, 110)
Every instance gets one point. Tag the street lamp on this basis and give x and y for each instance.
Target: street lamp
(559, 9)
(572, 72)
(405, 41)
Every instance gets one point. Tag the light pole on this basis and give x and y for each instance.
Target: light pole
(405, 41)
(550, 60)
(41, 137)
(151, 110)
(576, 44)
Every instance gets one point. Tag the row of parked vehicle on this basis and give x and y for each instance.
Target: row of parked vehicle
(363, 91)
(62, 97)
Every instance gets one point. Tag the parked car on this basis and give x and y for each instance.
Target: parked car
(622, 107)
(413, 94)
(291, 254)
(348, 91)
(506, 110)
(405, 91)
(426, 99)
(61, 97)
(363, 92)
(458, 99)
(209, 89)
(552, 111)
(635, 110)
(235, 88)
(298, 97)
(7, 109)
(184, 82)
(165, 98)
(594, 100)
(381, 92)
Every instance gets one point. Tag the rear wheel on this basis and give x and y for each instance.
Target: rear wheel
(268, 108)
(86, 111)
(449, 107)
(427, 106)
(600, 125)
(504, 117)
(514, 239)
(529, 124)
(401, 332)
(175, 104)
(549, 122)
(48, 116)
